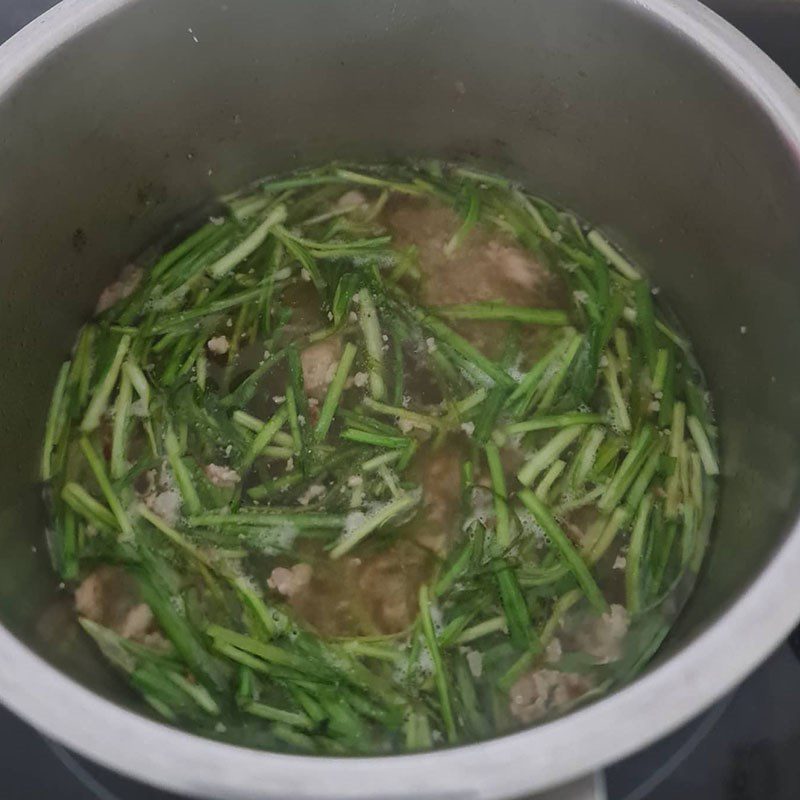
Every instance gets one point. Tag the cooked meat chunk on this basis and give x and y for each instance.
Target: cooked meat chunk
(138, 622)
(602, 637)
(543, 691)
(127, 284)
(289, 582)
(319, 363)
(485, 267)
(110, 597)
(161, 496)
(166, 504)
(218, 345)
(389, 583)
(222, 476)
(350, 200)
(375, 593)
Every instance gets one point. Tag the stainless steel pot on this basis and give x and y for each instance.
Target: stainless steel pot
(652, 118)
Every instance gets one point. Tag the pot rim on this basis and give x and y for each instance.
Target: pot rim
(536, 759)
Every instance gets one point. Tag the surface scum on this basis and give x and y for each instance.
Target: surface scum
(377, 460)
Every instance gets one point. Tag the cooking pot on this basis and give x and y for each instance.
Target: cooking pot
(652, 118)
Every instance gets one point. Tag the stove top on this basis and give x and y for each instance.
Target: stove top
(744, 748)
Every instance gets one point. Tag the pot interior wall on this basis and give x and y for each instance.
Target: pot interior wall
(148, 114)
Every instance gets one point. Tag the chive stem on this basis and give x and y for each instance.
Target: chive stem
(371, 330)
(335, 390)
(703, 445)
(180, 471)
(500, 495)
(568, 553)
(621, 264)
(100, 475)
(555, 421)
(438, 667)
(396, 508)
(99, 402)
(502, 312)
(546, 455)
(248, 245)
(55, 422)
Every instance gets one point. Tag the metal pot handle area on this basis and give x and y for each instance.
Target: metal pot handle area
(590, 787)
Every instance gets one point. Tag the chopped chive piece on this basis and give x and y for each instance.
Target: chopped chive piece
(382, 460)
(562, 605)
(294, 420)
(423, 421)
(550, 477)
(703, 446)
(181, 472)
(370, 180)
(555, 421)
(618, 405)
(80, 501)
(439, 675)
(119, 437)
(138, 379)
(99, 402)
(645, 319)
(365, 437)
(264, 437)
(291, 718)
(522, 397)
(675, 442)
(622, 265)
(363, 528)
(660, 374)
(176, 322)
(473, 212)
(553, 388)
(545, 456)
(585, 459)
(174, 536)
(461, 346)
(568, 553)
(628, 470)
(370, 327)
(607, 535)
(502, 530)
(55, 422)
(335, 390)
(489, 626)
(634, 558)
(468, 403)
(198, 693)
(495, 310)
(512, 600)
(101, 476)
(306, 520)
(644, 478)
(249, 245)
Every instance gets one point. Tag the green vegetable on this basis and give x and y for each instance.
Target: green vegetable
(494, 310)
(99, 401)
(439, 676)
(576, 565)
(335, 390)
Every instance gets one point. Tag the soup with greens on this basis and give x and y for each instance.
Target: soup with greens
(377, 460)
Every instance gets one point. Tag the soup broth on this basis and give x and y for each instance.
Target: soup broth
(377, 460)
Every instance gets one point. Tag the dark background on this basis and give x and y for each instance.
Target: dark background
(745, 748)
